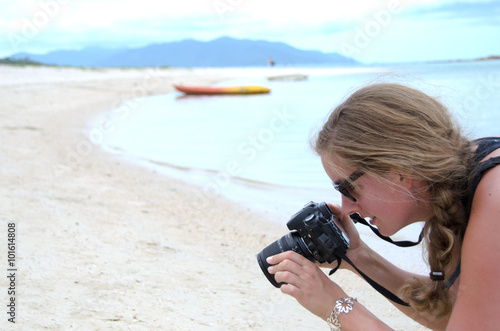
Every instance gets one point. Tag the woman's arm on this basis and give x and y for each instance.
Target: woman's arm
(367, 260)
(309, 285)
(478, 301)
(316, 292)
(392, 278)
(378, 268)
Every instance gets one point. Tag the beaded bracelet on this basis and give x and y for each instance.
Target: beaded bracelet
(343, 305)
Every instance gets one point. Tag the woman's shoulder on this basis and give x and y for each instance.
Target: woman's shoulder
(488, 188)
(485, 209)
(479, 253)
(487, 157)
(484, 214)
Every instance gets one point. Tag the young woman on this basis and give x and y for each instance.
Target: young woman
(397, 157)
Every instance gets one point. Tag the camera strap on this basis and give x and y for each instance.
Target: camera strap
(404, 243)
(382, 290)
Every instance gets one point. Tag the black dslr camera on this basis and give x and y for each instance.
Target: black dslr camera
(313, 235)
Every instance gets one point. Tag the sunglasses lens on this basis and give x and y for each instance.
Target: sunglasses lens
(342, 187)
(347, 194)
(344, 192)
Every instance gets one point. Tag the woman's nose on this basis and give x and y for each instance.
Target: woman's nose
(349, 207)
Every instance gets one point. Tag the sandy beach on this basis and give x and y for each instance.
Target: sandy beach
(104, 244)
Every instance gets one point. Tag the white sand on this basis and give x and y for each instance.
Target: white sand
(106, 244)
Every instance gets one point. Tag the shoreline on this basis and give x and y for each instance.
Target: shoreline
(105, 243)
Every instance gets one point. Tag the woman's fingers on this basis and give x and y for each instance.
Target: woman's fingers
(288, 255)
(347, 223)
(293, 269)
(337, 210)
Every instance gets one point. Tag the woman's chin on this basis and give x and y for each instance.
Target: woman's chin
(383, 231)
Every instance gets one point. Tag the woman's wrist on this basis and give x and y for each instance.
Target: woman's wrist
(342, 306)
(333, 293)
(360, 256)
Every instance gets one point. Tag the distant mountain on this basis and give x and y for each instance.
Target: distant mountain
(87, 57)
(221, 52)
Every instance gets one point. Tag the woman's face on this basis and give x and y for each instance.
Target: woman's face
(391, 205)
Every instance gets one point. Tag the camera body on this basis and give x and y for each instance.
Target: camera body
(314, 235)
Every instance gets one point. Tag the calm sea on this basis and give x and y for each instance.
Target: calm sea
(256, 149)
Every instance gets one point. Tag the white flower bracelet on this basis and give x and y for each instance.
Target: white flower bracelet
(343, 305)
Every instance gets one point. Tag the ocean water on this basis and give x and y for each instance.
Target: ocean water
(256, 150)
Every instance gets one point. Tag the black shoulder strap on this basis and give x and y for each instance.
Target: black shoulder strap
(478, 174)
(485, 146)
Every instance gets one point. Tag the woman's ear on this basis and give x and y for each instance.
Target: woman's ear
(406, 181)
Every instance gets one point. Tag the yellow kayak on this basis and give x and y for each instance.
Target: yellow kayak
(247, 89)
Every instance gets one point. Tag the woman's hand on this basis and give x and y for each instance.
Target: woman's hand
(347, 226)
(356, 245)
(305, 282)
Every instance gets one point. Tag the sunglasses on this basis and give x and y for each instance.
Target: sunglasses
(342, 187)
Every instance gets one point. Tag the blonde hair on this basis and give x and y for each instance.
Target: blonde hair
(390, 126)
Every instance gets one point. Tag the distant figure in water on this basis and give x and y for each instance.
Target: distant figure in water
(270, 61)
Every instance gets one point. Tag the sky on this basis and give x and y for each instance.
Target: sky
(370, 31)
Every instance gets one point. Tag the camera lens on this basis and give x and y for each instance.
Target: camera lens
(289, 242)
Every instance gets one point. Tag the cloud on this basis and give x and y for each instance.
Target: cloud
(474, 11)
(322, 24)
(427, 32)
